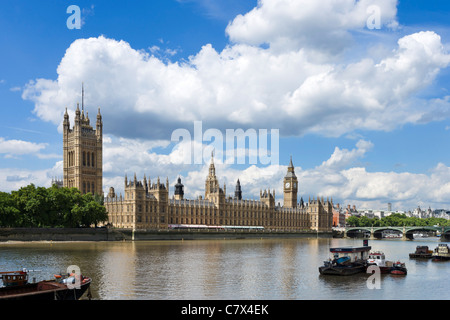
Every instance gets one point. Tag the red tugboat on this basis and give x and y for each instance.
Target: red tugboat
(16, 287)
(378, 259)
(399, 269)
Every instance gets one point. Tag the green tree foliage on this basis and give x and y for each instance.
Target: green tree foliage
(395, 220)
(9, 214)
(40, 207)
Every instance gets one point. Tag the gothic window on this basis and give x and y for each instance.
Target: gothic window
(84, 187)
(84, 158)
(93, 162)
(93, 187)
(88, 159)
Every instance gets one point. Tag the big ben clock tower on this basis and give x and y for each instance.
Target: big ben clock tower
(290, 187)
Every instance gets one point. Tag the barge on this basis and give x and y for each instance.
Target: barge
(17, 287)
(441, 252)
(345, 261)
(422, 252)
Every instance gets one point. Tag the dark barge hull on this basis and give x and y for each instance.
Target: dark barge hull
(441, 258)
(44, 290)
(420, 255)
(342, 270)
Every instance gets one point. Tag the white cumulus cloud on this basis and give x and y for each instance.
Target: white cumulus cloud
(19, 147)
(241, 87)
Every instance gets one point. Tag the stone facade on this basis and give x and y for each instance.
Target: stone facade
(83, 146)
(147, 205)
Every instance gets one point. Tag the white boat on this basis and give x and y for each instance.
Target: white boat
(378, 258)
(442, 252)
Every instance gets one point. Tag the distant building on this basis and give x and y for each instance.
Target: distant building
(57, 182)
(339, 216)
(147, 205)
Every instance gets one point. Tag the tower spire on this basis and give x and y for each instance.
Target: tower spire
(212, 168)
(82, 96)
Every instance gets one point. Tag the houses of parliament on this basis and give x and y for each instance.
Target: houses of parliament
(149, 205)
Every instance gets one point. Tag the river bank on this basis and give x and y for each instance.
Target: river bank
(107, 234)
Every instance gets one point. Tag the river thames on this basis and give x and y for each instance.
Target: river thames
(263, 269)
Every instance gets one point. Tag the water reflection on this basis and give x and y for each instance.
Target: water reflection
(228, 269)
(117, 276)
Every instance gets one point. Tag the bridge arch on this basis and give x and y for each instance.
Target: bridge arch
(445, 234)
(411, 230)
(377, 231)
(354, 232)
(406, 232)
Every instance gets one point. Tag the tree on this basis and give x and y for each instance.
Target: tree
(50, 207)
(352, 221)
(365, 222)
(9, 214)
(33, 206)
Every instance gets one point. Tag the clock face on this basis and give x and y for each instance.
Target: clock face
(287, 185)
(295, 185)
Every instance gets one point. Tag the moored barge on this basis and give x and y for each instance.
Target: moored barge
(346, 261)
(422, 252)
(16, 287)
(441, 252)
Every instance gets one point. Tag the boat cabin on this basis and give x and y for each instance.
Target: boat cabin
(353, 253)
(377, 257)
(422, 249)
(14, 278)
(442, 248)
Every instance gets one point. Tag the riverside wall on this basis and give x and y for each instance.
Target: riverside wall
(106, 234)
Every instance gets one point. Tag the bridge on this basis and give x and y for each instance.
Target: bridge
(407, 232)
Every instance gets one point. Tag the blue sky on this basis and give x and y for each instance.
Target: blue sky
(364, 113)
